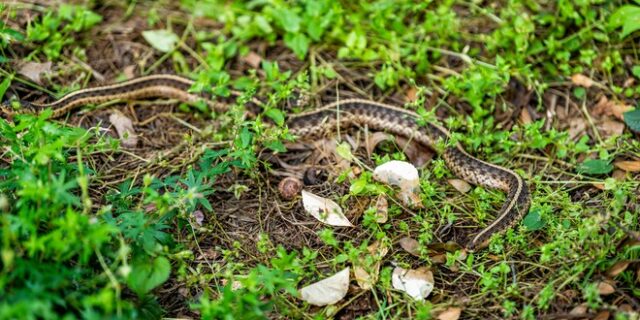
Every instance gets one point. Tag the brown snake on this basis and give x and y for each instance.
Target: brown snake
(343, 113)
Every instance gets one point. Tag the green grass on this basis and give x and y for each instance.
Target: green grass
(93, 230)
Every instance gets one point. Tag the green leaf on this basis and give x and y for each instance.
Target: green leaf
(595, 166)
(297, 42)
(632, 119)
(4, 86)
(628, 17)
(276, 146)
(289, 20)
(161, 40)
(636, 71)
(533, 221)
(344, 150)
(276, 115)
(145, 275)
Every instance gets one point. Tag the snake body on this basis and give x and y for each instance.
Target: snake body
(344, 113)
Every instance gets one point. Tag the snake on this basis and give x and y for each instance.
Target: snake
(318, 122)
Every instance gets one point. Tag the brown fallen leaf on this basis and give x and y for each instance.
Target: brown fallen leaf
(410, 245)
(453, 313)
(577, 126)
(439, 258)
(124, 128)
(605, 288)
(619, 175)
(602, 315)
(411, 94)
(610, 108)
(418, 154)
(253, 59)
(581, 80)
(617, 268)
(579, 310)
(33, 70)
(460, 185)
(525, 116)
(628, 166)
(610, 128)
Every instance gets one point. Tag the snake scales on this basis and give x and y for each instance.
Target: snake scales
(343, 113)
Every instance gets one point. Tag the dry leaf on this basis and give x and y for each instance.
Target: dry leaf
(417, 283)
(124, 128)
(581, 80)
(610, 128)
(416, 152)
(198, 216)
(410, 245)
(403, 175)
(367, 277)
(602, 315)
(525, 116)
(453, 313)
(412, 94)
(253, 59)
(579, 310)
(617, 268)
(373, 139)
(460, 185)
(129, 71)
(33, 70)
(327, 291)
(325, 210)
(382, 209)
(610, 108)
(619, 175)
(577, 125)
(605, 288)
(628, 166)
(439, 258)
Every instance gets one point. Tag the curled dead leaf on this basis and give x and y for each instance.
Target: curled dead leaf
(628, 166)
(327, 291)
(452, 313)
(124, 128)
(610, 108)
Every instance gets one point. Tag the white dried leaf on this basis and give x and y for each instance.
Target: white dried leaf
(460, 185)
(327, 291)
(124, 128)
(33, 70)
(403, 175)
(417, 283)
(325, 210)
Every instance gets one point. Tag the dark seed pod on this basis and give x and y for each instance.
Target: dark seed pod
(314, 176)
